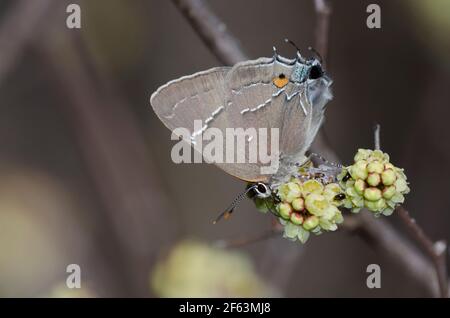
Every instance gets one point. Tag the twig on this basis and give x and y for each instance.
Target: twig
(212, 31)
(323, 13)
(377, 232)
(436, 251)
(17, 29)
(376, 132)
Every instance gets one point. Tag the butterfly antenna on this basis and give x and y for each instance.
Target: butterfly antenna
(274, 51)
(316, 53)
(227, 213)
(292, 43)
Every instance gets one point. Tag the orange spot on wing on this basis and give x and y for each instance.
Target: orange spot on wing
(280, 81)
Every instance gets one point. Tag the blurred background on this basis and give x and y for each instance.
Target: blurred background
(85, 170)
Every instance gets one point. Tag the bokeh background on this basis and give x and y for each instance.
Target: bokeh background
(85, 169)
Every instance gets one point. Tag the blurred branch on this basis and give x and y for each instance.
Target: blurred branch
(323, 13)
(212, 31)
(17, 29)
(377, 233)
(117, 159)
(436, 251)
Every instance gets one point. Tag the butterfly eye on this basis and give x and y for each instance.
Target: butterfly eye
(262, 190)
(315, 72)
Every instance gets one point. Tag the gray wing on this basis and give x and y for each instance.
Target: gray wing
(202, 96)
(243, 97)
(254, 101)
(195, 97)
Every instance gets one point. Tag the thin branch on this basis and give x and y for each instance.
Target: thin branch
(380, 234)
(376, 132)
(17, 29)
(436, 251)
(212, 31)
(323, 13)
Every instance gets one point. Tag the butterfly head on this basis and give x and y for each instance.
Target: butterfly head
(307, 70)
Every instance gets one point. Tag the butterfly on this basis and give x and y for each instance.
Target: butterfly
(289, 95)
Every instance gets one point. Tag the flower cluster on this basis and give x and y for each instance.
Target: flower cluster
(312, 206)
(308, 207)
(373, 182)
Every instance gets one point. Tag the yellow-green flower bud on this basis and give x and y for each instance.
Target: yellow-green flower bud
(372, 194)
(289, 191)
(375, 167)
(388, 177)
(379, 156)
(316, 204)
(376, 206)
(296, 218)
(362, 154)
(338, 218)
(388, 192)
(332, 189)
(373, 179)
(359, 170)
(360, 186)
(285, 210)
(389, 166)
(298, 204)
(311, 186)
(330, 213)
(311, 222)
(401, 186)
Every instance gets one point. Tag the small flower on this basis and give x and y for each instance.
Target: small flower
(360, 186)
(362, 154)
(316, 204)
(359, 170)
(389, 191)
(296, 218)
(372, 194)
(311, 222)
(312, 186)
(375, 167)
(298, 204)
(373, 179)
(289, 191)
(388, 176)
(285, 210)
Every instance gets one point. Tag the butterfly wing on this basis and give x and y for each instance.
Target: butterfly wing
(201, 96)
(244, 97)
(295, 109)
(195, 97)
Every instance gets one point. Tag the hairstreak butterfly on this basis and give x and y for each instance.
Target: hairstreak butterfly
(286, 94)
